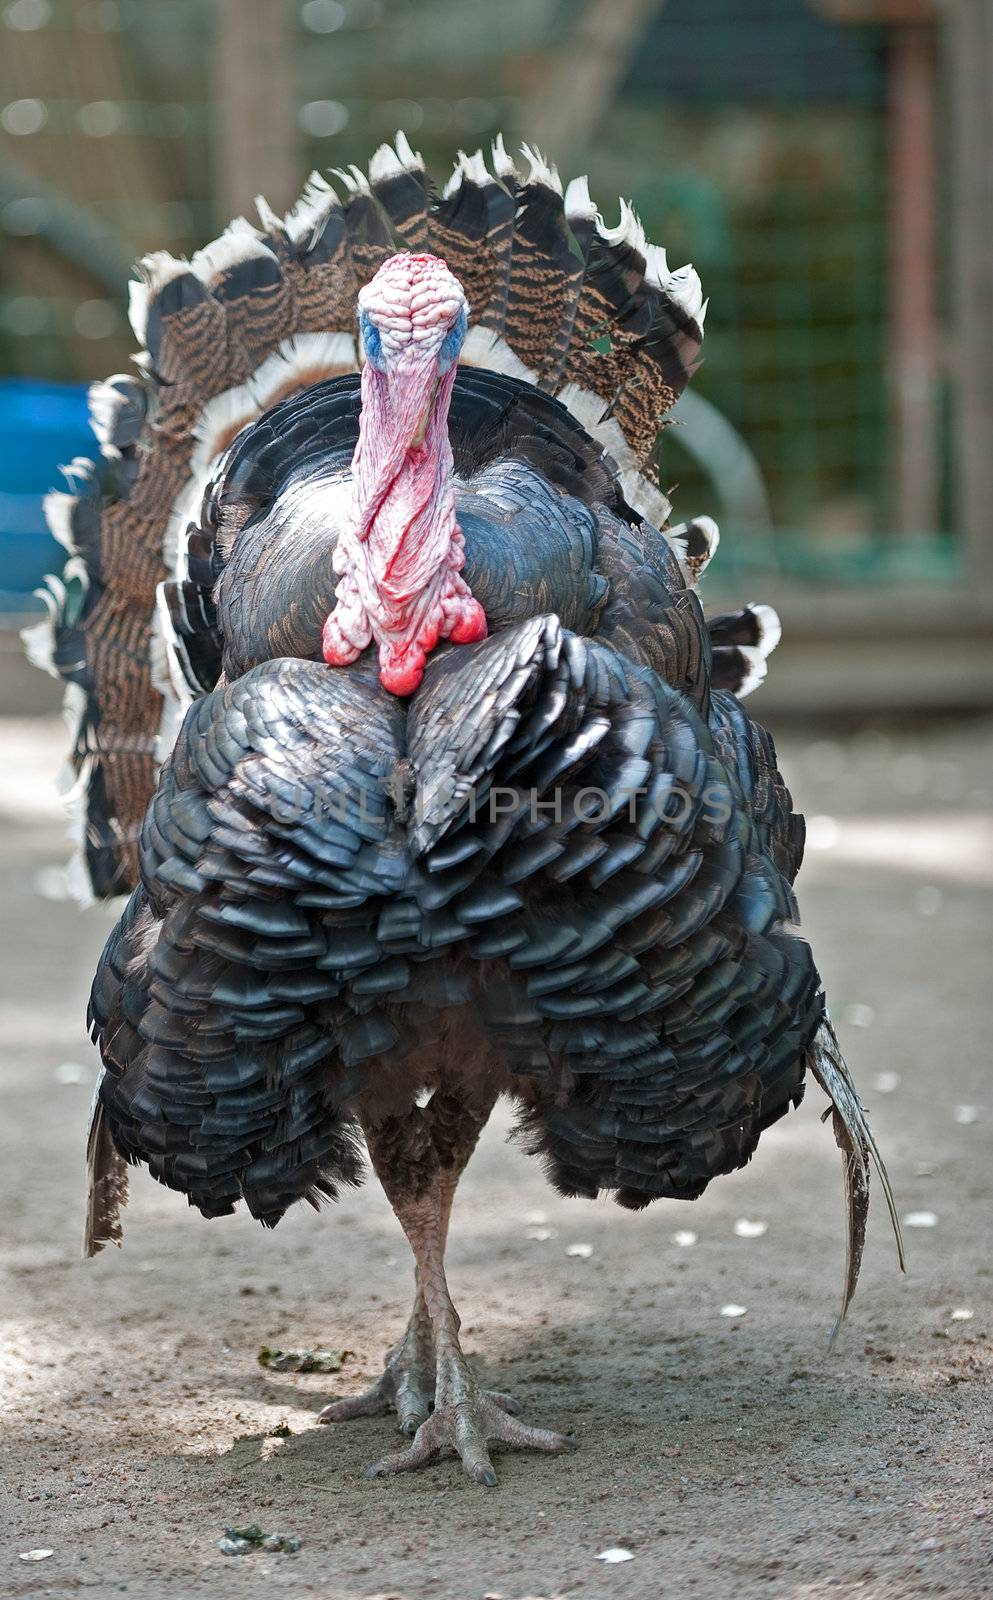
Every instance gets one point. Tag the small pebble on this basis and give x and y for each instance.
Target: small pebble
(734, 1311)
(583, 1251)
(684, 1237)
(966, 1115)
(750, 1230)
(614, 1555)
(920, 1219)
(233, 1547)
(886, 1082)
(35, 1555)
(541, 1234)
(962, 1314)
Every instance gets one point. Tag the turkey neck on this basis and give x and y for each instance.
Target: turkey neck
(405, 529)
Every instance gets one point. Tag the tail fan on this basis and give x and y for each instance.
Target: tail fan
(859, 1151)
(589, 313)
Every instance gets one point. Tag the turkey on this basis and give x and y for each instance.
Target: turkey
(398, 718)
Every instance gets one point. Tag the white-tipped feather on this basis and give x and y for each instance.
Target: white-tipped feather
(355, 181)
(711, 533)
(239, 242)
(656, 266)
(467, 168)
(770, 627)
(705, 529)
(474, 167)
(138, 310)
(578, 204)
(484, 348)
(384, 163)
(58, 509)
(542, 171)
(39, 645)
(412, 160)
(157, 269)
(452, 184)
(503, 166)
(629, 230)
(317, 199)
(105, 401)
(267, 217)
(757, 667)
(685, 288)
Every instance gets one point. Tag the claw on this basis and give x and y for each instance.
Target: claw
(466, 1429)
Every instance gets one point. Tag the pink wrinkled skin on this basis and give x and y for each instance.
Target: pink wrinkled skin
(401, 553)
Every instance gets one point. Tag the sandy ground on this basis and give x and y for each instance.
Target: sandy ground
(731, 1456)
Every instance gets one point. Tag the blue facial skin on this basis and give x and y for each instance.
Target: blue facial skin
(373, 344)
(453, 341)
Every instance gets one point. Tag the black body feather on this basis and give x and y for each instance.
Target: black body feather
(565, 832)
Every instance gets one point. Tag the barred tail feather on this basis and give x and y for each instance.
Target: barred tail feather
(590, 314)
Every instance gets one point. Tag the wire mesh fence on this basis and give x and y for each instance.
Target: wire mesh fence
(757, 144)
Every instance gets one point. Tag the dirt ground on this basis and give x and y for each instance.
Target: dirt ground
(730, 1455)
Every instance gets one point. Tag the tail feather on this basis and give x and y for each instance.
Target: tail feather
(546, 274)
(636, 334)
(398, 179)
(588, 313)
(859, 1150)
(107, 1186)
(371, 237)
(472, 227)
(742, 642)
(327, 286)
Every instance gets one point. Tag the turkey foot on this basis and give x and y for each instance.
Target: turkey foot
(465, 1422)
(406, 1385)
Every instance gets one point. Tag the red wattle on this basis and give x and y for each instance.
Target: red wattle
(400, 672)
(471, 626)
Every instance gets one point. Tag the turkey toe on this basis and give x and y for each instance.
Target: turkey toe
(466, 1429)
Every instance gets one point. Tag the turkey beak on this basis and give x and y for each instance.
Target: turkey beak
(420, 431)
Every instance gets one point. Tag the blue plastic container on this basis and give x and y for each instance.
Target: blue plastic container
(42, 426)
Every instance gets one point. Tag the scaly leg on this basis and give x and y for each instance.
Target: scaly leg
(465, 1419)
(407, 1383)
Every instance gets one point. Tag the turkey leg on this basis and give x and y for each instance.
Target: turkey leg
(406, 1384)
(439, 1138)
(465, 1419)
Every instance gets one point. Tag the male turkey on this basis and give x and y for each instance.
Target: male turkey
(464, 802)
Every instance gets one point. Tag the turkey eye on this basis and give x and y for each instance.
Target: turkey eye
(372, 344)
(453, 342)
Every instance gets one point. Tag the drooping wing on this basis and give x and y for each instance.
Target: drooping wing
(218, 1005)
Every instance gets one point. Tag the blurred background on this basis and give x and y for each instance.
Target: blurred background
(824, 163)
